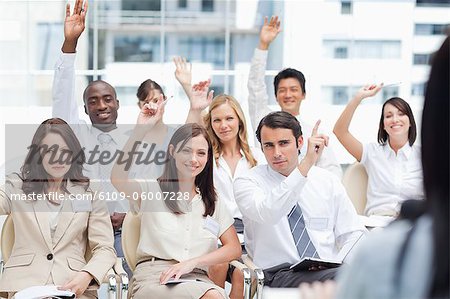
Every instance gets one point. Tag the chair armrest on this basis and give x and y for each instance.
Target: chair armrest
(123, 276)
(120, 271)
(247, 277)
(111, 281)
(258, 273)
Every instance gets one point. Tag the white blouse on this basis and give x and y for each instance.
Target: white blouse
(224, 179)
(179, 237)
(392, 178)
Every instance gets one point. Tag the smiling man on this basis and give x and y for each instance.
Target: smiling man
(293, 210)
(290, 92)
(101, 104)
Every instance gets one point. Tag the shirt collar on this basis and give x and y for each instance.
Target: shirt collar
(275, 174)
(405, 151)
(115, 134)
(222, 161)
(240, 151)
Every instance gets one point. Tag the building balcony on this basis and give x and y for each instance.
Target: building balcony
(172, 20)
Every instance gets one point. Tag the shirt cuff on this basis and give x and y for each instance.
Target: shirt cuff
(295, 180)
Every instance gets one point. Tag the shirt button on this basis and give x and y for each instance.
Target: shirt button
(49, 256)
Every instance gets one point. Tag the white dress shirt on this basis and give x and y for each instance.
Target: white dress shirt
(258, 106)
(265, 198)
(65, 107)
(223, 179)
(392, 178)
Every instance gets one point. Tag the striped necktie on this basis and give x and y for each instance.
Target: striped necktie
(302, 241)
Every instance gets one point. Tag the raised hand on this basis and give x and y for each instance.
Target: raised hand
(74, 25)
(151, 112)
(316, 144)
(200, 98)
(269, 32)
(183, 71)
(368, 91)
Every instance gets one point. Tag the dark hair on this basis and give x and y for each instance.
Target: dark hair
(168, 181)
(280, 120)
(435, 162)
(404, 107)
(35, 178)
(146, 87)
(289, 73)
(95, 83)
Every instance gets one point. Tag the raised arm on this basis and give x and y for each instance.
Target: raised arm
(200, 99)
(150, 114)
(183, 73)
(351, 144)
(64, 104)
(258, 99)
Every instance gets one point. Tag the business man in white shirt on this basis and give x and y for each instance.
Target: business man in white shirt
(294, 210)
(101, 104)
(290, 91)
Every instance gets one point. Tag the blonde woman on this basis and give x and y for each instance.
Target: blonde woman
(227, 129)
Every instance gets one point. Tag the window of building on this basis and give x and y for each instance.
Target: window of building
(346, 7)
(433, 3)
(152, 5)
(136, 49)
(430, 29)
(182, 3)
(362, 49)
(207, 5)
(377, 49)
(339, 95)
(341, 52)
(336, 48)
(389, 92)
(418, 89)
(421, 59)
(50, 46)
(203, 49)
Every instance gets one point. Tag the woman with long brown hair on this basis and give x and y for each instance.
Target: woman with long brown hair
(56, 218)
(393, 164)
(181, 218)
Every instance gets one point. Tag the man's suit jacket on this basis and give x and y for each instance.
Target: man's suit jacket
(36, 257)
